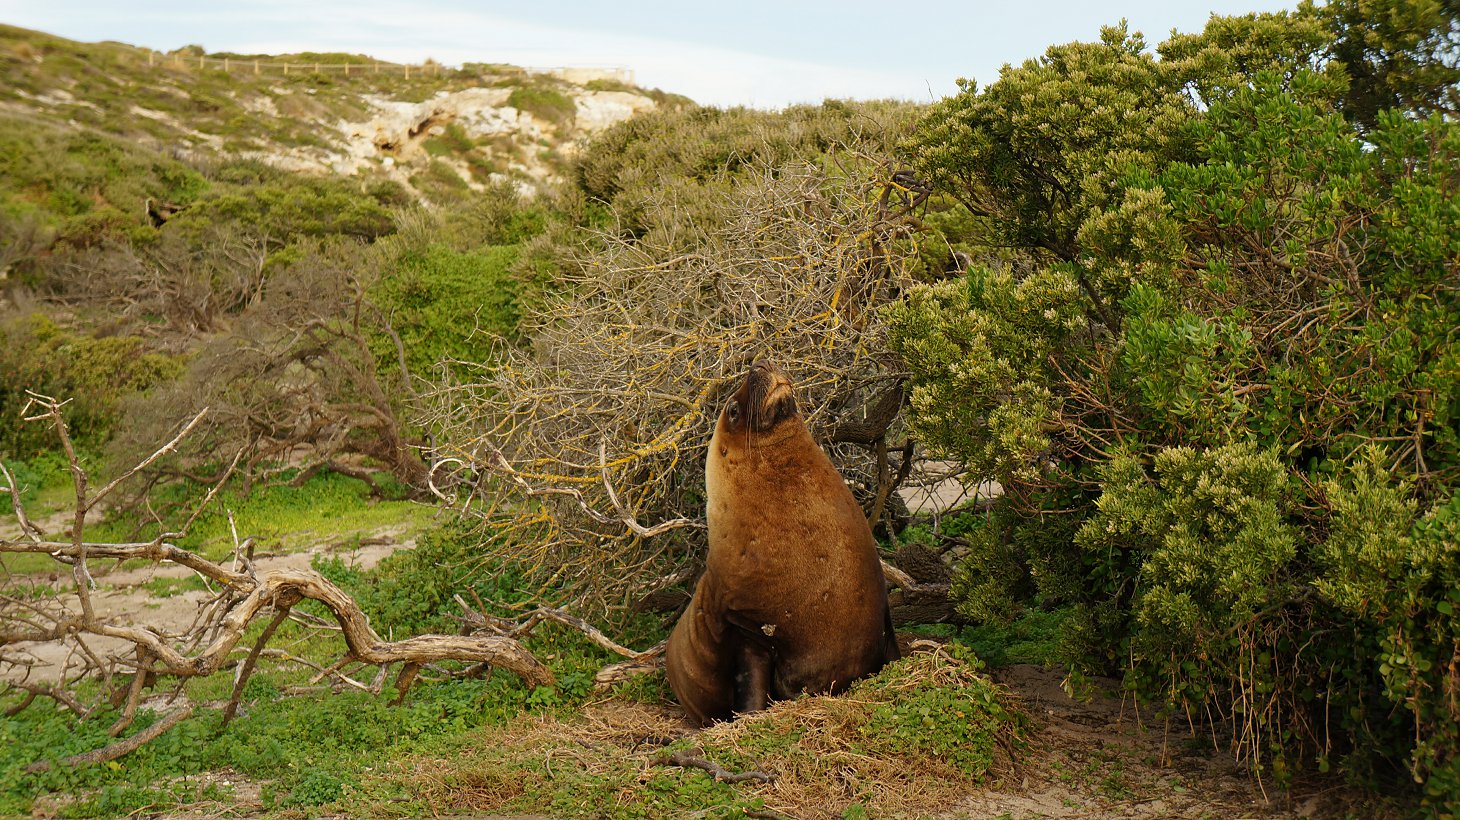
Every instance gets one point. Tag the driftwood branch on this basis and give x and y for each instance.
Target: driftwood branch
(264, 591)
(918, 602)
(897, 578)
(879, 418)
(591, 632)
(251, 662)
(134, 696)
(121, 747)
(205, 647)
(649, 660)
(637, 664)
(689, 760)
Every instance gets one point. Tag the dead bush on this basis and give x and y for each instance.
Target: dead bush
(588, 447)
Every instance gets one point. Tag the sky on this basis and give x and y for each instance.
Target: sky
(763, 53)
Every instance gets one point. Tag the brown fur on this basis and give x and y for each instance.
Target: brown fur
(792, 599)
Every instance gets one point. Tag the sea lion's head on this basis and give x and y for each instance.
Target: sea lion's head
(763, 402)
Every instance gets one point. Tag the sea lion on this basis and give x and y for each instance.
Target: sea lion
(793, 598)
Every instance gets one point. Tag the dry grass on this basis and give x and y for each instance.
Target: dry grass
(911, 741)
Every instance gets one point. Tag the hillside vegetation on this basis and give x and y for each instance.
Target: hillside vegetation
(1193, 306)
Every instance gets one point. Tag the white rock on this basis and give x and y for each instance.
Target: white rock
(598, 110)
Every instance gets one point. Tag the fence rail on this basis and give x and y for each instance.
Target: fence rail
(260, 66)
(428, 69)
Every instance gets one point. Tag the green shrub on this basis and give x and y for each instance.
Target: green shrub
(45, 470)
(87, 184)
(669, 172)
(1033, 638)
(1210, 535)
(1218, 381)
(453, 140)
(447, 304)
(411, 591)
(1396, 575)
(288, 207)
(96, 373)
(441, 184)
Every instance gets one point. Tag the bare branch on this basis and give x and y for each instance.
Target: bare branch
(119, 748)
(627, 517)
(169, 447)
(686, 758)
(14, 490)
(649, 660)
(206, 646)
(248, 665)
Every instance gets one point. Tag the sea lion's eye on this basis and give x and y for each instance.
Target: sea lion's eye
(733, 411)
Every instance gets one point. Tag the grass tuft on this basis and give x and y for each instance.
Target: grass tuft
(908, 741)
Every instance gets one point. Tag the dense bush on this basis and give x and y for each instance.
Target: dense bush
(84, 185)
(38, 355)
(447, 304)
(669, 174)
(1217, 377)
(291, 206)
(630, 360)
(411, 591)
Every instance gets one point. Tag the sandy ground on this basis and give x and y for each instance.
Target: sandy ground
(937, 486)
(1094, 759)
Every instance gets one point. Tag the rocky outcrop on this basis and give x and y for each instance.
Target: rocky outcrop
(393, 140)
(598, 110)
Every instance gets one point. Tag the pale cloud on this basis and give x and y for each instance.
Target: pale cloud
(709, 75)
(764, 53)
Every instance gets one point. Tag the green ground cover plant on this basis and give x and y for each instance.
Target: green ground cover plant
(544, 102)
(278, 516)
(312, 749)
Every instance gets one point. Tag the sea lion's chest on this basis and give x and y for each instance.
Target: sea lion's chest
(783, 526)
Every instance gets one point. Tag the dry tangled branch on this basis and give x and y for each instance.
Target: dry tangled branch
(585, 454)
(128, 659)
(293, 383)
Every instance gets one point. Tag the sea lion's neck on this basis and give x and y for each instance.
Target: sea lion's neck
(780, 434)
